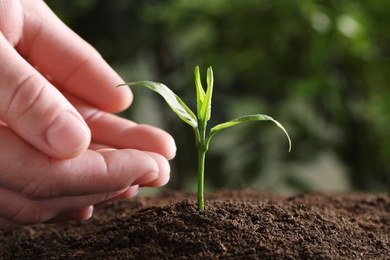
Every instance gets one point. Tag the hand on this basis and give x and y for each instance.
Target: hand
(61, 150)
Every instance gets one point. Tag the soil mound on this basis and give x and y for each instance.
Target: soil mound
(243, 224)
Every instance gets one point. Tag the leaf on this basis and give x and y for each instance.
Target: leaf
(177, 105)
(249, 118)
(206, 106)
(199, 91)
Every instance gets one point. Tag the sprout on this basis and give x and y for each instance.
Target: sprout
(199, 122)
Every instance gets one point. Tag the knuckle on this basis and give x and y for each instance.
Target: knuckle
(26, 98)
(39, 190)
(31, 213)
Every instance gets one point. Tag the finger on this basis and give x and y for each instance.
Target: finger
(164, 173)
(70, 62)
(113, 131)
(86, 213)
(95, 147)
(7, 226)
(90, 173)
(81, 214)
(118, 132)
(36, 111)
(128, 193)
(26, 211)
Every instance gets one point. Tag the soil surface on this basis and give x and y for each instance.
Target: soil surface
(235, 225)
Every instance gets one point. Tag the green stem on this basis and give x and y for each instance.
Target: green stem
(202, 156)
(202, 149)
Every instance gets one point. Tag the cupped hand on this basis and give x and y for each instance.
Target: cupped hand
(61, 151)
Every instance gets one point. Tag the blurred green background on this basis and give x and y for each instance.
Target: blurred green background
(321, 68)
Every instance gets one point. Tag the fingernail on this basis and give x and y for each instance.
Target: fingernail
(67, 134)
(151, 176)
(88, 213)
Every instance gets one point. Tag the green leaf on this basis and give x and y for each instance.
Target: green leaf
(206, 106)
(249, 118)
(199, 91)
(177, 105)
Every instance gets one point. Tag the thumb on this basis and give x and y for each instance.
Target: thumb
(36, 110)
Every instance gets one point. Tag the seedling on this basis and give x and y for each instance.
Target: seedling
(199, 123)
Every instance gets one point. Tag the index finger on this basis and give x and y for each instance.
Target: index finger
(68, 61)
(93, 172)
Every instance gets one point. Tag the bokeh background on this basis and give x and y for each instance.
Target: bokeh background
(321, 68)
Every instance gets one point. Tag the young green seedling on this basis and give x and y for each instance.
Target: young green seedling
(199, 123)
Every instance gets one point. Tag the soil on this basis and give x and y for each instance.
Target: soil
(243, 224)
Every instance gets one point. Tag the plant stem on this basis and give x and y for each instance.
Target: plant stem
(202, 149)
(202, 156)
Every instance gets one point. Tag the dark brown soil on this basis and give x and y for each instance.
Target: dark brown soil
(236, 225)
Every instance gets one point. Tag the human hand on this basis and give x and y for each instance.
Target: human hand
(61, 151)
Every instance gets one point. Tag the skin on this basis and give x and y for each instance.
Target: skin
(62, 150)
